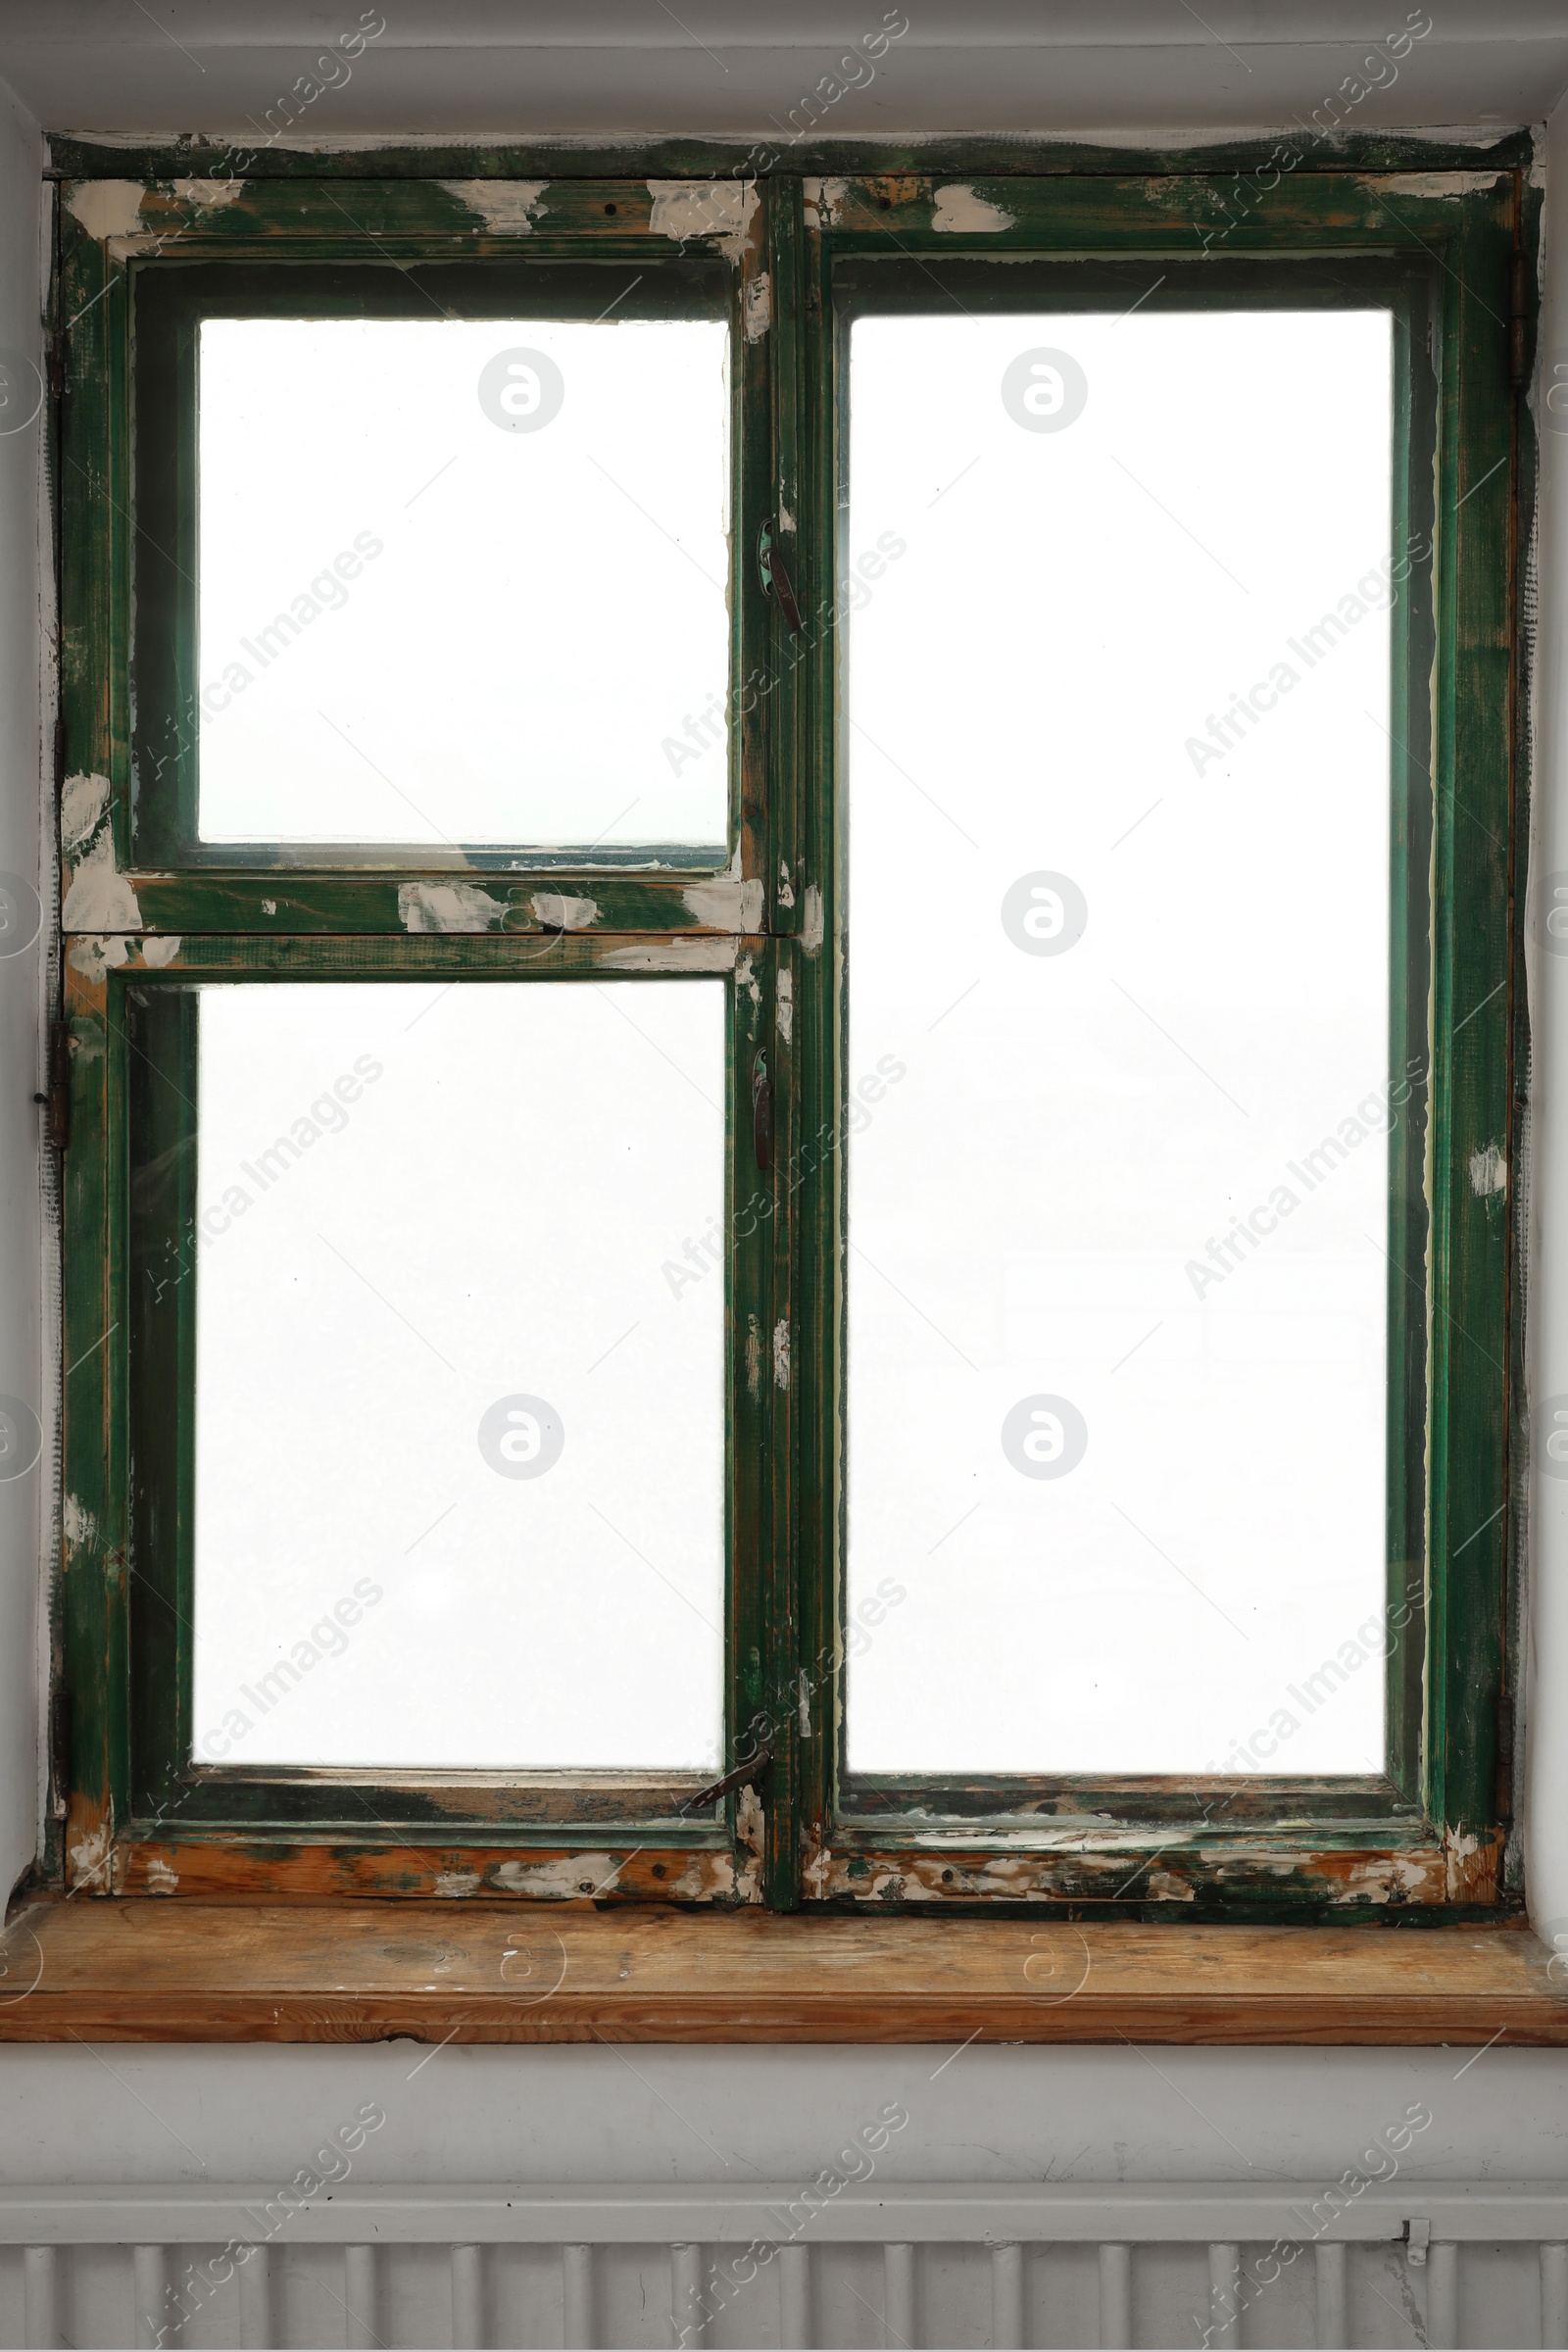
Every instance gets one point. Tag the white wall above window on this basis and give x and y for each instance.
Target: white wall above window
(1077, 69)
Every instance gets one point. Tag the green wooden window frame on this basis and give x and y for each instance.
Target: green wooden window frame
(150, 914)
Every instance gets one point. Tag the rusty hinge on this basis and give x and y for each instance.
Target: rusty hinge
(751, 1768)
(1519, 321)
(775, 580)
(57, 1102)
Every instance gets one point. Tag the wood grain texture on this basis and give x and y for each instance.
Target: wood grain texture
(153, 1970)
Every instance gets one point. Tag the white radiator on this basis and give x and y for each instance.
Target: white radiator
(900, 2265)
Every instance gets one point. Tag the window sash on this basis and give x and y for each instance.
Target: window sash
(1438, 1843)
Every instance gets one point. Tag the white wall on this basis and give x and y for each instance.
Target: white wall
(740, 2116)
(20, 988)
(1087, 68)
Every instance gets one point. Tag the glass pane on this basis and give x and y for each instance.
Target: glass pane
(460, 1443)
(1119, 981)
(462, 582)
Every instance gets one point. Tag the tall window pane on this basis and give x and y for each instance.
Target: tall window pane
(1118, 914)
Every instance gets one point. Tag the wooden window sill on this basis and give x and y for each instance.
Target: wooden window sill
(172, 1970)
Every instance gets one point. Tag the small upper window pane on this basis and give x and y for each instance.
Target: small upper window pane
(462, 583)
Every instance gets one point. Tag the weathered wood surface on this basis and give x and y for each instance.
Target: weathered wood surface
(155, 1970)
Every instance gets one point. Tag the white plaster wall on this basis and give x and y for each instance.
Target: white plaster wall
(739, 2116)
(20, 993)
(1090, 69)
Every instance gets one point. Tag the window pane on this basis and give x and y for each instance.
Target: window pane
(462, 582)
(460, 1451)
(1117, 1274)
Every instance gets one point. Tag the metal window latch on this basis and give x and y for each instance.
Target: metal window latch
(761, 1113)
(1417, 2238)
(752, 1768)
(775, 580)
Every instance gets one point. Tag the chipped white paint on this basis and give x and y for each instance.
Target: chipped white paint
(92, 1857)
(811, 920)
(83, 801)
(561, 912)
(781, 1355)
(211, 193)
(509, 208)
(447, 906)
(720, 208)
(457, 1883)
(1457, 1847)
(95, 952)
(784, 1010)
(78, 1522)
(107, 208)
(726, 902)
(268, 906)
(1431, 183)
(785, 893)
(100, 899)
(161, 952)
(1165, 1888)
(1073, 1836)
(960, 213)
(160, 1880)
(569, 1876)
(706, 1879)
(1489, 1172)
(1385, 1878)
(747, 983)
(758, 315)
(748, 1820)
(818, 1872)
(674, 955)
(824, 200)
(100, 906)
(786, 519)
(754, 1359)
(804, 1705)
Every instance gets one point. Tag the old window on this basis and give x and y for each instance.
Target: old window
(789, 1032)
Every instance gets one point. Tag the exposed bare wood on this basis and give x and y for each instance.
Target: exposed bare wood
(481, 1972)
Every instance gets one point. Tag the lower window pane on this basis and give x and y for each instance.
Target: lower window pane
(458, 1449)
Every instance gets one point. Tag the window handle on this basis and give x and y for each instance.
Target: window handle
(761, 1113)
(751, 1768)
(775, 580)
